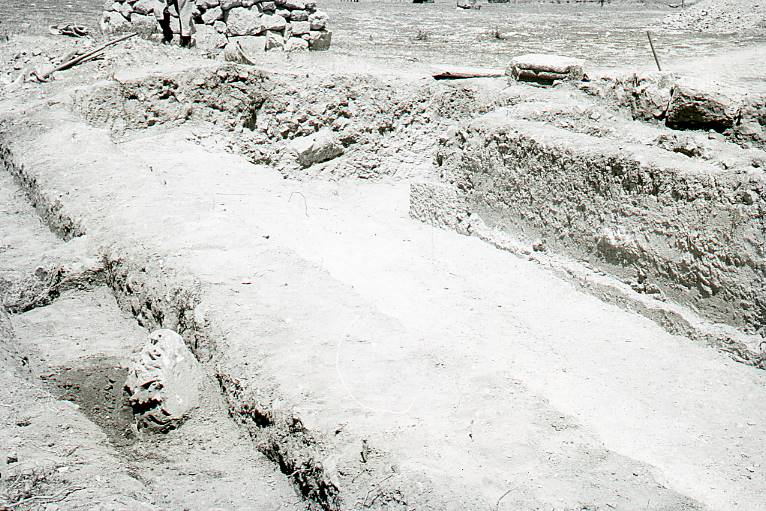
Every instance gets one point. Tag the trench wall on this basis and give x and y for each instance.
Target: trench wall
(672, 226)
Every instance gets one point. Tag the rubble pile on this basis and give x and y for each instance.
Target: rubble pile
(239, 26)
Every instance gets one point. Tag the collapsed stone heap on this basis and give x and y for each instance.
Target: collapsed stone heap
(253, 25)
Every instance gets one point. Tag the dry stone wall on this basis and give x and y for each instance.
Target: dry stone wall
(239, 26)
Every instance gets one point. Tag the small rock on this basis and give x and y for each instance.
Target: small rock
(274, 40)
(317, 148)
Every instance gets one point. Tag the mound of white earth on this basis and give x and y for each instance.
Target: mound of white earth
(720, 16)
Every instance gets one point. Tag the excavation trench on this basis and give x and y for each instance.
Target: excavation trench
(246, 302)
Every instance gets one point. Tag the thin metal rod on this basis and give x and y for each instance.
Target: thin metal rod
(651, 44)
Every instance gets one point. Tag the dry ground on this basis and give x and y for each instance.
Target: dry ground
(376, 361)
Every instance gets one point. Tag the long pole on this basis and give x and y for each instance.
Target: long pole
(651, 45)
(85, 56)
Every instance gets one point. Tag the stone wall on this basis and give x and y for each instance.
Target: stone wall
(250, 25)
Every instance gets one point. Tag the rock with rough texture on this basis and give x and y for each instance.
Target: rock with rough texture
(230, 4)
(299, 16)
(693, 107)
(164, 382)
(296, 44)
(274, 41)
(144, 25)
(212, 15)
(207, 4)
(147, 7)
(125, 9)
(242, 21)
(273, 22)
(320, 41)
(300, 27)
(114, 22)
(317, 148)
(318, 20)
(252, 46)
(208, 38)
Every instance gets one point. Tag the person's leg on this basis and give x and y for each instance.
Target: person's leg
(163, 18)
(185, 9)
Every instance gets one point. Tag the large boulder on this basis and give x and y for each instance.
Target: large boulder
(701, 107)
(316, 148)
(164, 383)
(242, 21)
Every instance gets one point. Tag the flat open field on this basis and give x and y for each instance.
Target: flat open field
(612, 36)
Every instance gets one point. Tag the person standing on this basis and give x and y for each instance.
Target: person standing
(184, 9)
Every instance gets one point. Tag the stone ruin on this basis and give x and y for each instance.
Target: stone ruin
(241, 27)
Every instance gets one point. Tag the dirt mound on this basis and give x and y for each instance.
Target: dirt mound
(720, 16)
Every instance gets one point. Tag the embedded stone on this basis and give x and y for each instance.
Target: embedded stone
(320, 41)
(112, 22)
(241, 21)
(300, 27)
(208, 38)
(164, 383)
(318, 147)
(296, 44)
(273, 22)
(318, 20)
(251, 47)
(212, 15)
(701, 107)
(274, 40)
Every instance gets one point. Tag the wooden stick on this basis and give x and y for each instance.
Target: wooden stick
(77, 60)
(651, 44)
